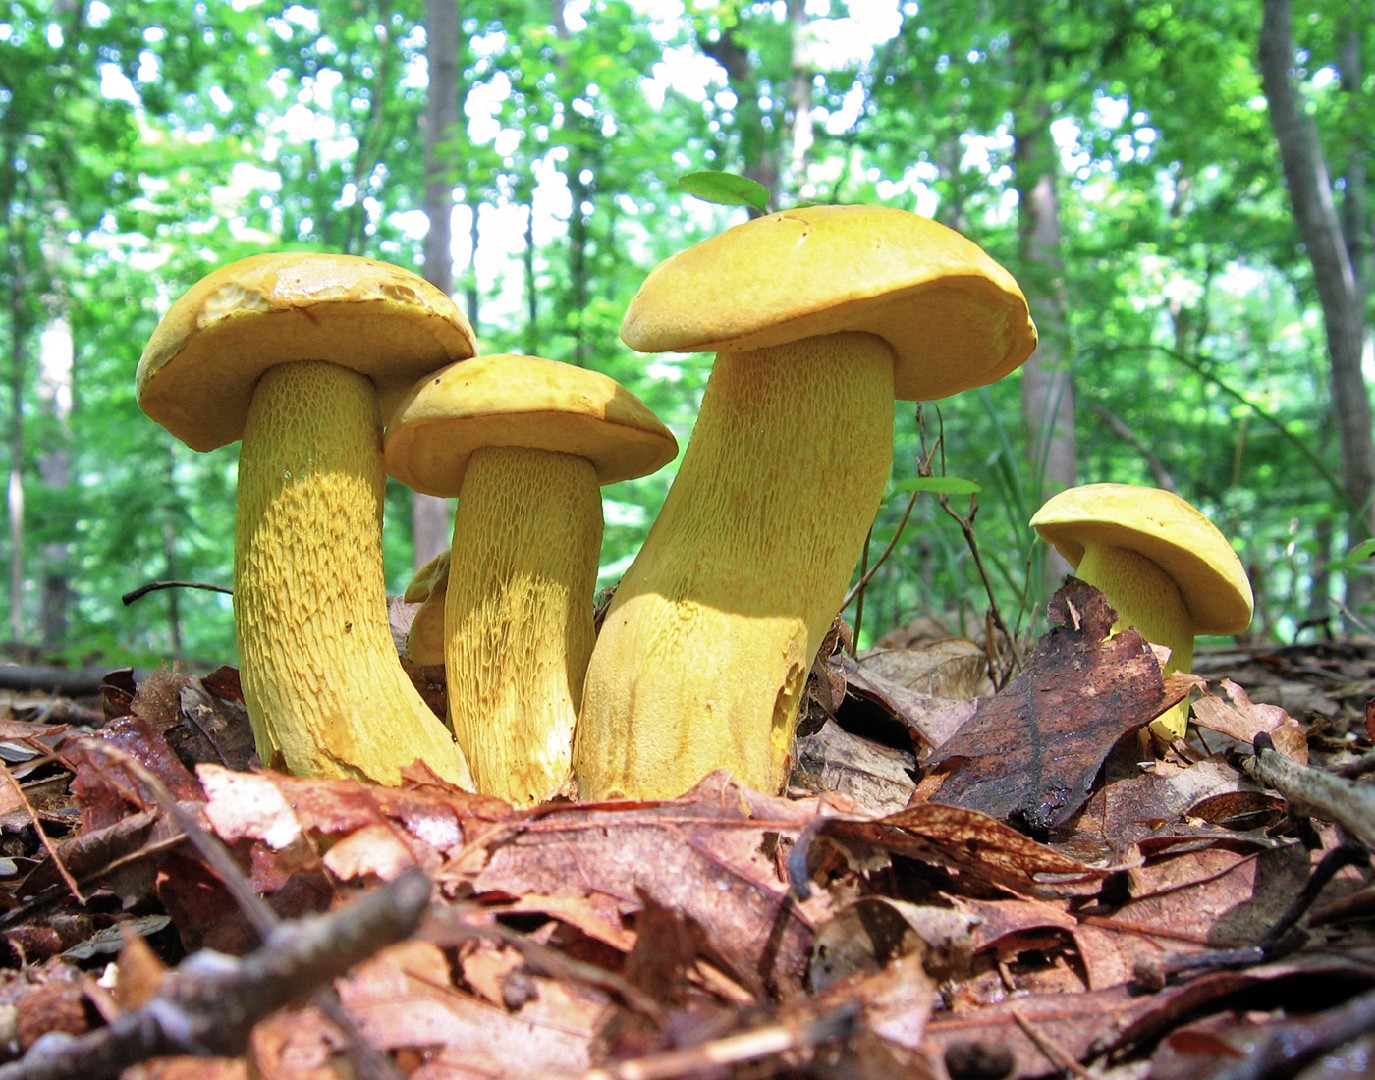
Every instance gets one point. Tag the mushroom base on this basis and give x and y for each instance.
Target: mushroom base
(324, 687)
(1147, 598)
(518, 615)
(704, 653)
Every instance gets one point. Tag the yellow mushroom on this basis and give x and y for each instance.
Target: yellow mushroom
(524, 443)
(819, 317)
(429, 587)
(1163, 566)
(290, 352)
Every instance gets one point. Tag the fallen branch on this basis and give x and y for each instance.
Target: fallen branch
(209, 1003)
(1313, 792)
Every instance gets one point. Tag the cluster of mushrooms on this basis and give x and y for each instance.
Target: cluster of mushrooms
(336, 371)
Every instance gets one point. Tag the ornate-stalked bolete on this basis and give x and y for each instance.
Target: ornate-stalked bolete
(1165, 567)
(290, 352)
(524, 443)
(820, 318)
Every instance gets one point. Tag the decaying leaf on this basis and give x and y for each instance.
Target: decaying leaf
(1030, 754)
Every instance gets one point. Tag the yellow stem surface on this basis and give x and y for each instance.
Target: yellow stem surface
(325, 690)
(1147, 598)
(705, 649)
(518, 617)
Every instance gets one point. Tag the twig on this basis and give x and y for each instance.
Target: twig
(152, 586)
(1282, 1053)
(369, 1063)
(209, 1003)
(255, 909)
(1315, 792)
(44, 838)
(1057, 1055)
(762, 1042)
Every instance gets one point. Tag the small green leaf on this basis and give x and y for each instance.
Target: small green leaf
(725, 188)
(1362, 551)
(938, 485)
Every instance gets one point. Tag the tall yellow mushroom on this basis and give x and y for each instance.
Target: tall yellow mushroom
(524, 443)
(819, 317)
(294, 353)
(1164, 566)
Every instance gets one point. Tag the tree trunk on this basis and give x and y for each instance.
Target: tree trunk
(1320, 229)
(56, 357)
(579, 189)
(799, 96)
(15, 489)
(430, 515)
(1047, 382)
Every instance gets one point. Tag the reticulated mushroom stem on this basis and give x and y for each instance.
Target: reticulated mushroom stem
(705, 649)
(325, 691)
(518, 617)
(1147, 598)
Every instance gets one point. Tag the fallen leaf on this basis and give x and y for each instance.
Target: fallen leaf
(1242, 720)
(1030, 753)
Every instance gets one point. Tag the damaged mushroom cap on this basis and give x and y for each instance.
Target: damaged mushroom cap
(196, 375)
(1164, 528)
(953, 316)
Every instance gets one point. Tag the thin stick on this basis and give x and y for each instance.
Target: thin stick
(152, 586)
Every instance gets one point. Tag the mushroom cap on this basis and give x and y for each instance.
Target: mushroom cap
(954, 317)
(511, 400)
(197, 373)
(1165, 529)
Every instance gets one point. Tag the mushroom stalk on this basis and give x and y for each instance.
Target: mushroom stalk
(325, 692)
(518, 617)
(1148, 598)
(787, 433)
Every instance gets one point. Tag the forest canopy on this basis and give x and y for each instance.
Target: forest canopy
(1180, 188)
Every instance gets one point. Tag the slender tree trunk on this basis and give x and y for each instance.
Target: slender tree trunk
(758, 140)
(1046, 378)
(15, 500)
(430, 515)
(55, 389)
(576, 171)
(531, 333)
(799, 97)
(1320, 229)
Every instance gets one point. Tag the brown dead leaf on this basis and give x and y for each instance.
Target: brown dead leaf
(1030, 754)
(404, 1000)
(929, 721)
(1242, 720)
(703, 856)
(963, 840)
(285, 813)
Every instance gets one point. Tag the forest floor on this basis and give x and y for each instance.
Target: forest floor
(1020, 884)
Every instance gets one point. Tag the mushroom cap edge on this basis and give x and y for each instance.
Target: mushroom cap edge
(906, 278)
(1164, 528)
(197, 373)
(515, 400)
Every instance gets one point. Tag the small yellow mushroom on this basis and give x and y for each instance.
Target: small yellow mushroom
(1165, 568)
(524, 443)
(291, 352)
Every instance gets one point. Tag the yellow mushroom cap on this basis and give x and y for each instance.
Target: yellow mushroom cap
(196, 375)
(954, 317)
(1165, 529)
(511, 400)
